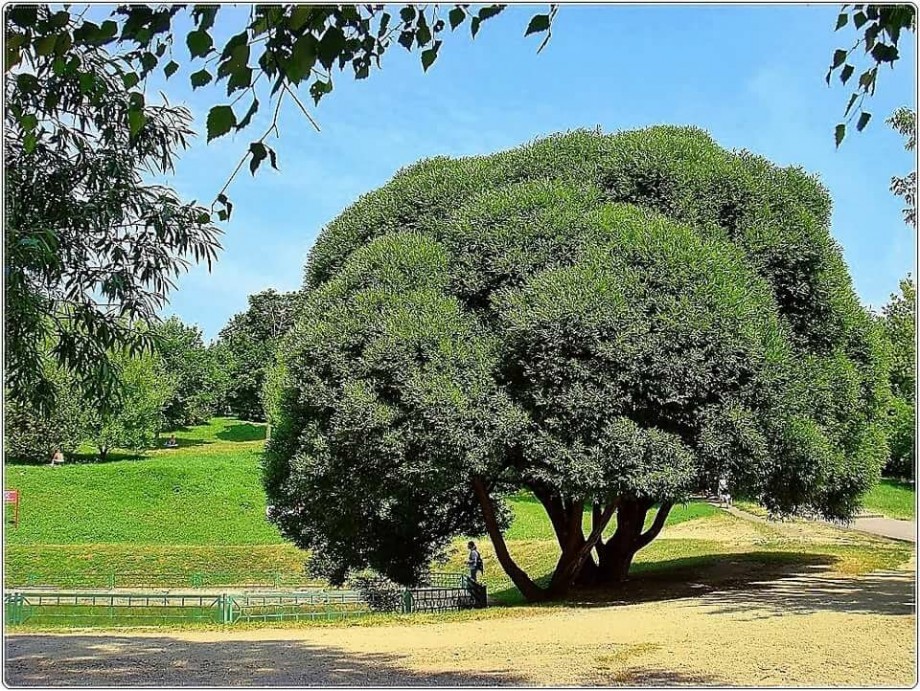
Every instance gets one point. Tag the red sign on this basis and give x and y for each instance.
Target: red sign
(11, 496)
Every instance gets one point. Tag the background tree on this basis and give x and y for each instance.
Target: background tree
(133, 420)
(900, 322)
(904, 121)
(608, 322)
(250, 339)
(91, 247)
(201, 377)
(32, 434)
(875, 46)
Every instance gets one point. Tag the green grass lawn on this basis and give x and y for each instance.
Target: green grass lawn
(200, 509)
(892, 498)
(206, 492)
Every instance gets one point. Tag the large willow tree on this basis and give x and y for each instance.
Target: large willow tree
(608, 321)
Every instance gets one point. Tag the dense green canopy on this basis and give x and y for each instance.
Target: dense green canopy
(608, 321)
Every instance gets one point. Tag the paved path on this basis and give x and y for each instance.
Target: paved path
(905, 531)
(887, 527)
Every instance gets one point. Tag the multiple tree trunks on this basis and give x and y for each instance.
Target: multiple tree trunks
(584, 560)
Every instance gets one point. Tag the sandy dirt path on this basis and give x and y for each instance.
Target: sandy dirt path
(817, 629)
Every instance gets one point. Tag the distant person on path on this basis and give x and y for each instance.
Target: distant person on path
(171, 443)
(57, 458)
(724, 496)
(474, 561)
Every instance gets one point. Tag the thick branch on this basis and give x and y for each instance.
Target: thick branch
(656, 526)
(554, 509)
(528, 588)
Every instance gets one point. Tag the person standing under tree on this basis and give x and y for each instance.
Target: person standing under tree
(57, 458)
(474, 561)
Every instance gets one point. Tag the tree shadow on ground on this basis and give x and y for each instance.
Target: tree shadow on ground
(88, 458)
(111, 660)
(242, 431)
(762, 584)
(181, 441)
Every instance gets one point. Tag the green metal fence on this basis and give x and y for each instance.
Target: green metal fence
(438, 592)
(90, 608)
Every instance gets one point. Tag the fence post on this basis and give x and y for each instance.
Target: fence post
(407, 601)
(226, 614)
(14, 609)
(112, 580)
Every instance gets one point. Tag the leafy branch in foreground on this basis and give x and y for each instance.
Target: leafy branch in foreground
(881, 27)
(277, 51)
(92, 247)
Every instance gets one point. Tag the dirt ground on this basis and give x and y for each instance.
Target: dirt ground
(811, 628)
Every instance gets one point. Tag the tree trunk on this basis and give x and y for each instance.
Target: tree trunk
(530, 590)
(616, 556)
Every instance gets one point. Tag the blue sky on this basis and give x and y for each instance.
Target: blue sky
(753, 76)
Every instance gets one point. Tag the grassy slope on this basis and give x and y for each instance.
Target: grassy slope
(893, 499)
(201, 508)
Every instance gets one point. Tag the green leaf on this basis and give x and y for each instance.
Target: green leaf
(258, 151)
(474, 26)
(130, 79)
(330, 46)
(253, 107)
(839, 56)
(384, 24)
(850, 103)
(842, 20)
(200, 78)
(864, 118)
(320, 88)
(199, 43)
(87, 82)
(220, 120)
(405, 39)
(239, 79)
(108, 30)
(489, 11)
(23, 15)
(882, 52)
(859, 19)
(540, 22)
(839, 133)
(430, 55)
(28, 142)
(170, 68)
(846, 73)
(148, 62)
(204, 16)
(28, 122)
(303, 57)
(407, 13)
(273, 158)
(299, 17)
(456, 17)
(13, 55)
(136, 120)
(45, 45)
(423, 35)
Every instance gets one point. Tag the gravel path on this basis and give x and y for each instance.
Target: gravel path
(812, 629)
